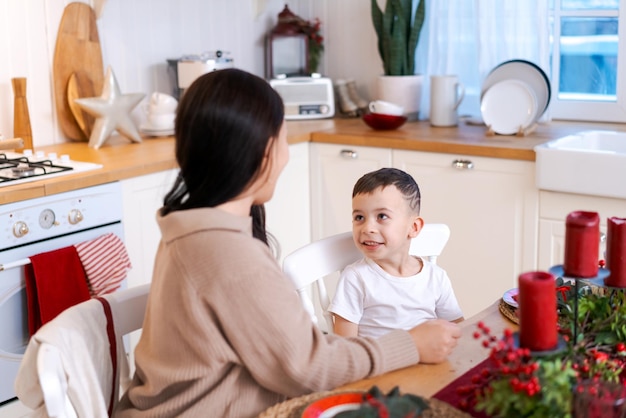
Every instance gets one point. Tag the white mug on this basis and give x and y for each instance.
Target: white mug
(446, 94)
(386, 108)
(161, 103)
(161, 120)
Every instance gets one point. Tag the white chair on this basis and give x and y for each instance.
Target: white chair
(313, 262)
(76, 365)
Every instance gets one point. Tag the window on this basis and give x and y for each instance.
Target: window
(576, 42)
(586, 59)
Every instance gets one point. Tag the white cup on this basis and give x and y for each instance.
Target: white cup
(386, 108)
(161, 120)
(446, 94)
(161, 103)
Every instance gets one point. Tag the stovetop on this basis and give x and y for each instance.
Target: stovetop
(22, 168)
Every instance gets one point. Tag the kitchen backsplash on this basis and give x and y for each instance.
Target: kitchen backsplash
(137, 36)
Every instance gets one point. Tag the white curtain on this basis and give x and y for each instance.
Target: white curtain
(469, 38)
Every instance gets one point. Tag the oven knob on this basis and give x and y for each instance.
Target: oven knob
(75, 216)
(20, 229)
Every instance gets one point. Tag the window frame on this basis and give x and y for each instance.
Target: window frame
(595, 111)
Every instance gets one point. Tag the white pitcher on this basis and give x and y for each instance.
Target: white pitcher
(446, 94)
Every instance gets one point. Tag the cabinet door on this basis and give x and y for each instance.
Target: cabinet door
(143, 196)
(334, 170)
(490, 205)
(288, 213)
(553, 210)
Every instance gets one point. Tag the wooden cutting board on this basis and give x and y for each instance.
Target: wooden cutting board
(78, 86)
(77, 50)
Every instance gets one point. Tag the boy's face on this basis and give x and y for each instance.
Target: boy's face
(383, 223)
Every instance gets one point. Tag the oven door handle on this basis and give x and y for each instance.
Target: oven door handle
(18, 263)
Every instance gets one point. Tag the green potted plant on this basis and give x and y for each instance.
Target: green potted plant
(398, 31)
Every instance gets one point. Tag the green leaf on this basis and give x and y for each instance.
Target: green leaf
(398, 34)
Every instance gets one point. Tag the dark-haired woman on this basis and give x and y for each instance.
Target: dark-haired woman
(225, 334)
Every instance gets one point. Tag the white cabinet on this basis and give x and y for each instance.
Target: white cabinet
(334, 170)
(288, 213)
(142, 197)
(491, 206)
(553, 210)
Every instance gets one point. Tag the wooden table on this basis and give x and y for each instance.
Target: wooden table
(425, 379)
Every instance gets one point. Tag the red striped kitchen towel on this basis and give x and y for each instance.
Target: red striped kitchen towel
(105, 261)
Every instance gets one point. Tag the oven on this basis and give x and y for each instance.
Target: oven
(39, 225)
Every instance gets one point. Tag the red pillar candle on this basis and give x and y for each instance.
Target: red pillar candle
(616, 252)
(537, 311)
(582, 244)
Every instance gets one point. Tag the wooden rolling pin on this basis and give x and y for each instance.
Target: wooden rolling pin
(21, 118)
(12, 143)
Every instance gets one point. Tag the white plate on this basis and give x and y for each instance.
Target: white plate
(508, 297)
(527, 72)
(148, 130)
(508, 106)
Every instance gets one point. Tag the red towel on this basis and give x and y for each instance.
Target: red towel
(105, 261)
(55, 280)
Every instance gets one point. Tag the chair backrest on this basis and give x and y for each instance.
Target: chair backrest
(313, 262)
(76, 348)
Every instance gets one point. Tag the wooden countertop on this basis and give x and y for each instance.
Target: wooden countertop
(122, 159)
(427, 379)
(463, 139)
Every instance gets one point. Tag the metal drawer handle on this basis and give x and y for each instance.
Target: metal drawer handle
(463, 164)
(346, 153)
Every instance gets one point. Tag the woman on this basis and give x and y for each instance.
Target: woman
(225, 333)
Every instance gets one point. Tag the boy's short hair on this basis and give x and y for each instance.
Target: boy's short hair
(384, 177)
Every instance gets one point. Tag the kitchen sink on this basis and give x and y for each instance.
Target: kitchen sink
(590, 163)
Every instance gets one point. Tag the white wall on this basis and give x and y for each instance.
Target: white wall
(137, 36)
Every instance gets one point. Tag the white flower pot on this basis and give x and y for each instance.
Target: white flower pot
(403, 90)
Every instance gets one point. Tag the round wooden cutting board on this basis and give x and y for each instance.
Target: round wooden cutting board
(77, 51)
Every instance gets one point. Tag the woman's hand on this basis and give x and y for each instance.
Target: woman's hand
(435, 339)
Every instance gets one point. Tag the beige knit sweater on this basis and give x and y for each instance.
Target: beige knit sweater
(225, 334)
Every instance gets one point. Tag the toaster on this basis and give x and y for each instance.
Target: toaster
(306, 97)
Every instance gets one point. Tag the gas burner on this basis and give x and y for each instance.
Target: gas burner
(19, 168)
(23, 170)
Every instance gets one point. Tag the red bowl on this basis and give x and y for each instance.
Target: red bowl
(382, 122)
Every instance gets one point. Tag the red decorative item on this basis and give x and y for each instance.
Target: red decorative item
(582, 242)
(537, 311)
(294, 46)
(616, 252)
(383, 122)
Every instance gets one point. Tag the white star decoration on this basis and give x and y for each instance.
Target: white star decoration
(112, 111)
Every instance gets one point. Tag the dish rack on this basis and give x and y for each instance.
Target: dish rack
(520, 132)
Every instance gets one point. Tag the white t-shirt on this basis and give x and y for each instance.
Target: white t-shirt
(379, 302)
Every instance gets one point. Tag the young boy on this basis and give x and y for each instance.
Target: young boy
(389, 289)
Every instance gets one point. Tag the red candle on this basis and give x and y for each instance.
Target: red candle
(582, 244)
(616, 252)
(537, 311)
